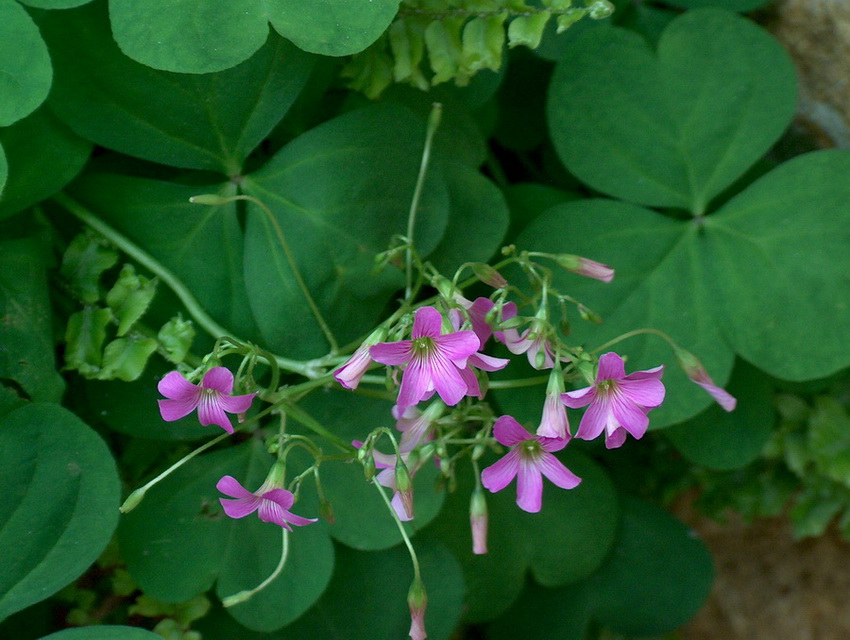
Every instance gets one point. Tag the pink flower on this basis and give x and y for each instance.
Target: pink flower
(272, 503)
(402, 501)
(415, 425)
(554, 423)
(618, 402)
(695, 370)
(478, 520)
(434, 361)
(349, 374)
(477, 312)
(529, 459)
(477, 360)
(533, 341)
(212, 398)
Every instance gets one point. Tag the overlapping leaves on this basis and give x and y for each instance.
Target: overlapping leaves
(758, 275)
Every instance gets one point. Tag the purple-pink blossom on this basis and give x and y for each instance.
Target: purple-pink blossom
(586, 267)
(349, 374)
(211, 398)
(619, 403)
(534, 341)
(696, 372)
(529, 459)
(477, 360)
(271, 503)
(433, 360)
(554, 423)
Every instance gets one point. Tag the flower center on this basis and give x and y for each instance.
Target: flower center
(531, 449)
(422, 346)
(607, 388)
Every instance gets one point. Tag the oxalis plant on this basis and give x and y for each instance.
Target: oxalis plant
(325, 301)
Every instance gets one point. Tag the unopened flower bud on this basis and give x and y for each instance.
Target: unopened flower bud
(478, 520)
(444, 286)
(589, 315)
(694, 369)
(417, 600)
(132, 500)
(404, 486)
(488, 275)
(326, 511)
(585, 267)
(211, 199)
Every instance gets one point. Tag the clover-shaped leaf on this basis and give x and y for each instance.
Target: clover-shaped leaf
(674, 127)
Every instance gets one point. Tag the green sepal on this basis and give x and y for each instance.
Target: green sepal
(130, 297)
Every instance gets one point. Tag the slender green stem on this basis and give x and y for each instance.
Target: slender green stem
(636, 332)
(400, 526)
(309, 369)
(296, 272)
(433, 124)
(136, 497)
(518, 382)
(242, 596)
(297, 413)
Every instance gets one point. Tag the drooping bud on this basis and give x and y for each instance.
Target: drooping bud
(478, 520)
(695, 370)
(349, 374)
(488, 275)
(554, 422)
(417, 600)
(404, 486)
(586, 267)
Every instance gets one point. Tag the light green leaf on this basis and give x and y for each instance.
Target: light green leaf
(338, 193)
(59, 506)
(26, 336)
(188, 36)
(25, 71)
(86, 258)
(777, 256)
(159, 218)
(720, 440)
(84, 338)
(43, 155)
(180, 525)
(677, 127)
(130, 297)
(210, 121)
(125, 358)
(331, 27)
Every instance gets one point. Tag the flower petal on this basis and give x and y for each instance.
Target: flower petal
(646, 392)
(280, 496)
(427, 322)
(628, 415)
(172, 410)
(472, 387)
(392, 353)
(220, 379)
(175, 387)
(457, 347)
(556, 472)
(579, 398)
(649, 374)
(230, 486)
(500, 474)
(447, 380)
(594, 420)
(529, 485)
(415, 383)
(270, 511)
(241, 507)
(616, 439)
(487, 363)
(723, 397)
(509, 432)
(236, 404)
(611, 367)
(210, 412)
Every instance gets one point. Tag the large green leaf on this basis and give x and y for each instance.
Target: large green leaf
(561, 613)
(54, 4)
(477, 223)
(180, 525)
(210, 121)
(677, 127)
(26, 336)
(720, 440)
(657, 576)
(777, 256)
(732, 5)
(159, 218)
(338, 193)
(188, 36)
(565, 542)
(44, 155)
(4, 171)
(331, 27)
(59, 505)
(25, 71)
(659, 284)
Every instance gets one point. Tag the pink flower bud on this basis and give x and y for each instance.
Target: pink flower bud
(478, 520)
(694, 369)
(417, 600)
(585, 267)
